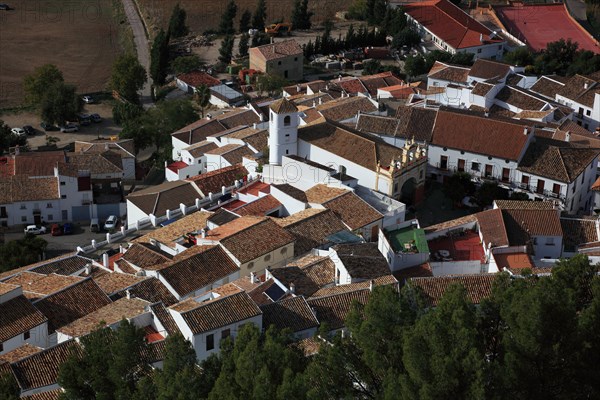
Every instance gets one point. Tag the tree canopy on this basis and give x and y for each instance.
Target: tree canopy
(9, 139)
(159, 57)
(227, 18)
(128, 76)
(18, 253)
(300, 15)
(260, 15)
(177, 26)
(37, 83)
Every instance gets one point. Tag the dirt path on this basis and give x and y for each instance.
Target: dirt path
(142, 46)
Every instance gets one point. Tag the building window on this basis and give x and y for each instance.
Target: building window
(535, 241)
(295, 58)
(478, 51)
(26, 335)
(1, 347)
(287, 151)
(287, 121)
(461, 165)
(556, 188)
(48, 205)
(225, 333)
(278, 62)
(475, 166)
(489, 169)
(23, 207)
(499, 47)
(23, 219)
(210, 342)
(588, 112)
(251, 265)
(63, 183)
(63, 196)
(50, 217)
(443, 162)
(267, 257)
(283, 250)
(550, 241)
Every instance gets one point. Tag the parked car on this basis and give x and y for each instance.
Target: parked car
(48, 127)
(96, 118)
(67, 228)
(88, 99)
(18, 131)
(84, 119)
(110, 223)
(69, 128)
(5, 7)
(36, 230)
(29, 130)
(56, 230)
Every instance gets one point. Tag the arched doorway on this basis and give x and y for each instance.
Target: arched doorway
(407, 193)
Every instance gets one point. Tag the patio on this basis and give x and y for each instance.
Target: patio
(463, 246)
(408, 240)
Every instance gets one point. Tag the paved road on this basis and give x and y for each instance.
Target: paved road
(142, 46)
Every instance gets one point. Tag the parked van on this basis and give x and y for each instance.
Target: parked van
(94, 225)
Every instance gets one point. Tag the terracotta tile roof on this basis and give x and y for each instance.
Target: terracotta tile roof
(198, 131)
(346, 107)
(577, 232)
(17, 188)
(37, 163)
(479, 135)
(110, 314)
(478, 287)
(513, 261)
(260, 207)
(522, 224)
(291, 191)
(72, 303)
(488, 69)
(421, 270)
(321, 270)
(41, 369)
(339, 289)
(63, 265)
(416, 122)
(557, 160)
(38, 285)
(519, 98)
(377, 124)
(491, 227)
(114, 282)
(524, 205)
(363, 149)
(95, 163)
(49, 395)
(240, 116)
(260, 294)
(481, 88)
(222, 311)
(334, 309)
(165, 318)
(293, 313)
(363, 260)
(145, 256)
(450, 23)
(151, 290)
(353, 211)
(248, 238)
(382, 80)
(449, 73)
(283, 106)
(277, 50)
(198, 149)
(198, 267)
(213, 181)
(309, 278)
(348, 84)
(311, 228)
(547, 86)
(18, 316)
(309, 346)
(193, 222)
(166, 196)
(197, 78)
(580, 89)
(221, 217)
(6, 288)
(451, 224)
(123, 147)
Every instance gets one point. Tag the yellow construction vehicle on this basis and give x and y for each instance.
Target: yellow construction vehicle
(279, 29)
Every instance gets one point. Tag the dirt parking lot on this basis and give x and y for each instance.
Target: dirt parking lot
(79, 36)
(105, 128)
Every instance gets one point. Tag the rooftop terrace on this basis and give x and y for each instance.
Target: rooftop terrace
(408, 240)
(464, 246)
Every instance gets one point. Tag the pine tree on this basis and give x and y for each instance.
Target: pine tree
(227, 18)
(226, 50)
(177, 26)
(300, 15)
(159, 57)
(245, 21)
(243, 45)
(180, 376)
(260, 15)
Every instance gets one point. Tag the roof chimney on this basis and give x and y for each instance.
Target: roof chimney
(585, 85)
(88, 269)
(481, 37)
(292, 288)
(525, 131)
(371, 283)
(128, 294)
(568, 136)
(252, 277)
(254, 125)
(105, 260)
(203, 233)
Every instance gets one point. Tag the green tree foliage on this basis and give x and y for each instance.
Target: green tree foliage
(159, 57)
(128, 76)
(245, 21)
(9, 139)
(260, 15)
(18, 253)
(124, 112)
(358, 10)
(37, 83)
(226, 49)
(177, 26)
(300, 15)
(394, 21)
(60, 103)
(520, 56)
(487, 192)
(9, 388)
(243, 45)
(109, 366)
(202, 97)
(557, 57)
(272, 84)
(406, 37)
(259, 39)
(185, 64)
(458, 186)
(227, 18)
(371, 67)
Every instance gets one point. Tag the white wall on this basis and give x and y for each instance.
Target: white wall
(38, 336)
(441, 268)
(134, 214)
(547, 246)
(290, 204)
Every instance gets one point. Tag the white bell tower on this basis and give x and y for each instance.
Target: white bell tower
(283, 130)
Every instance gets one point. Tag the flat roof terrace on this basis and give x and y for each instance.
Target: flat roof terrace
(465, 246)
(408, 240)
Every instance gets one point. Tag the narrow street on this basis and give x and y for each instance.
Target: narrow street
(142, 47)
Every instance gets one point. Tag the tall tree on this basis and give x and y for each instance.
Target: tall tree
(21, 252)
(60, 103)
(185, 64)
(245, 21)
(300, 15)
(226, 49)
(260, 15)
(243, 45)
(37, 83)
(202, 96)
(227, 18)
(9, 388)
(159, 57)
(128, 76)
(177, 26)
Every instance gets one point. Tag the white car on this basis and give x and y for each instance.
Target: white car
(35, 229)
(110, 223)
(69, 128)
(18, 131)
(88, 99)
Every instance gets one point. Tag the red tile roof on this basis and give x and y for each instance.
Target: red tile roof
(277, 50)
(197, 78)
(18, 316)
(176, 166)
(262, 206)
(213, 181)
(478, 287)
(450, 23)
